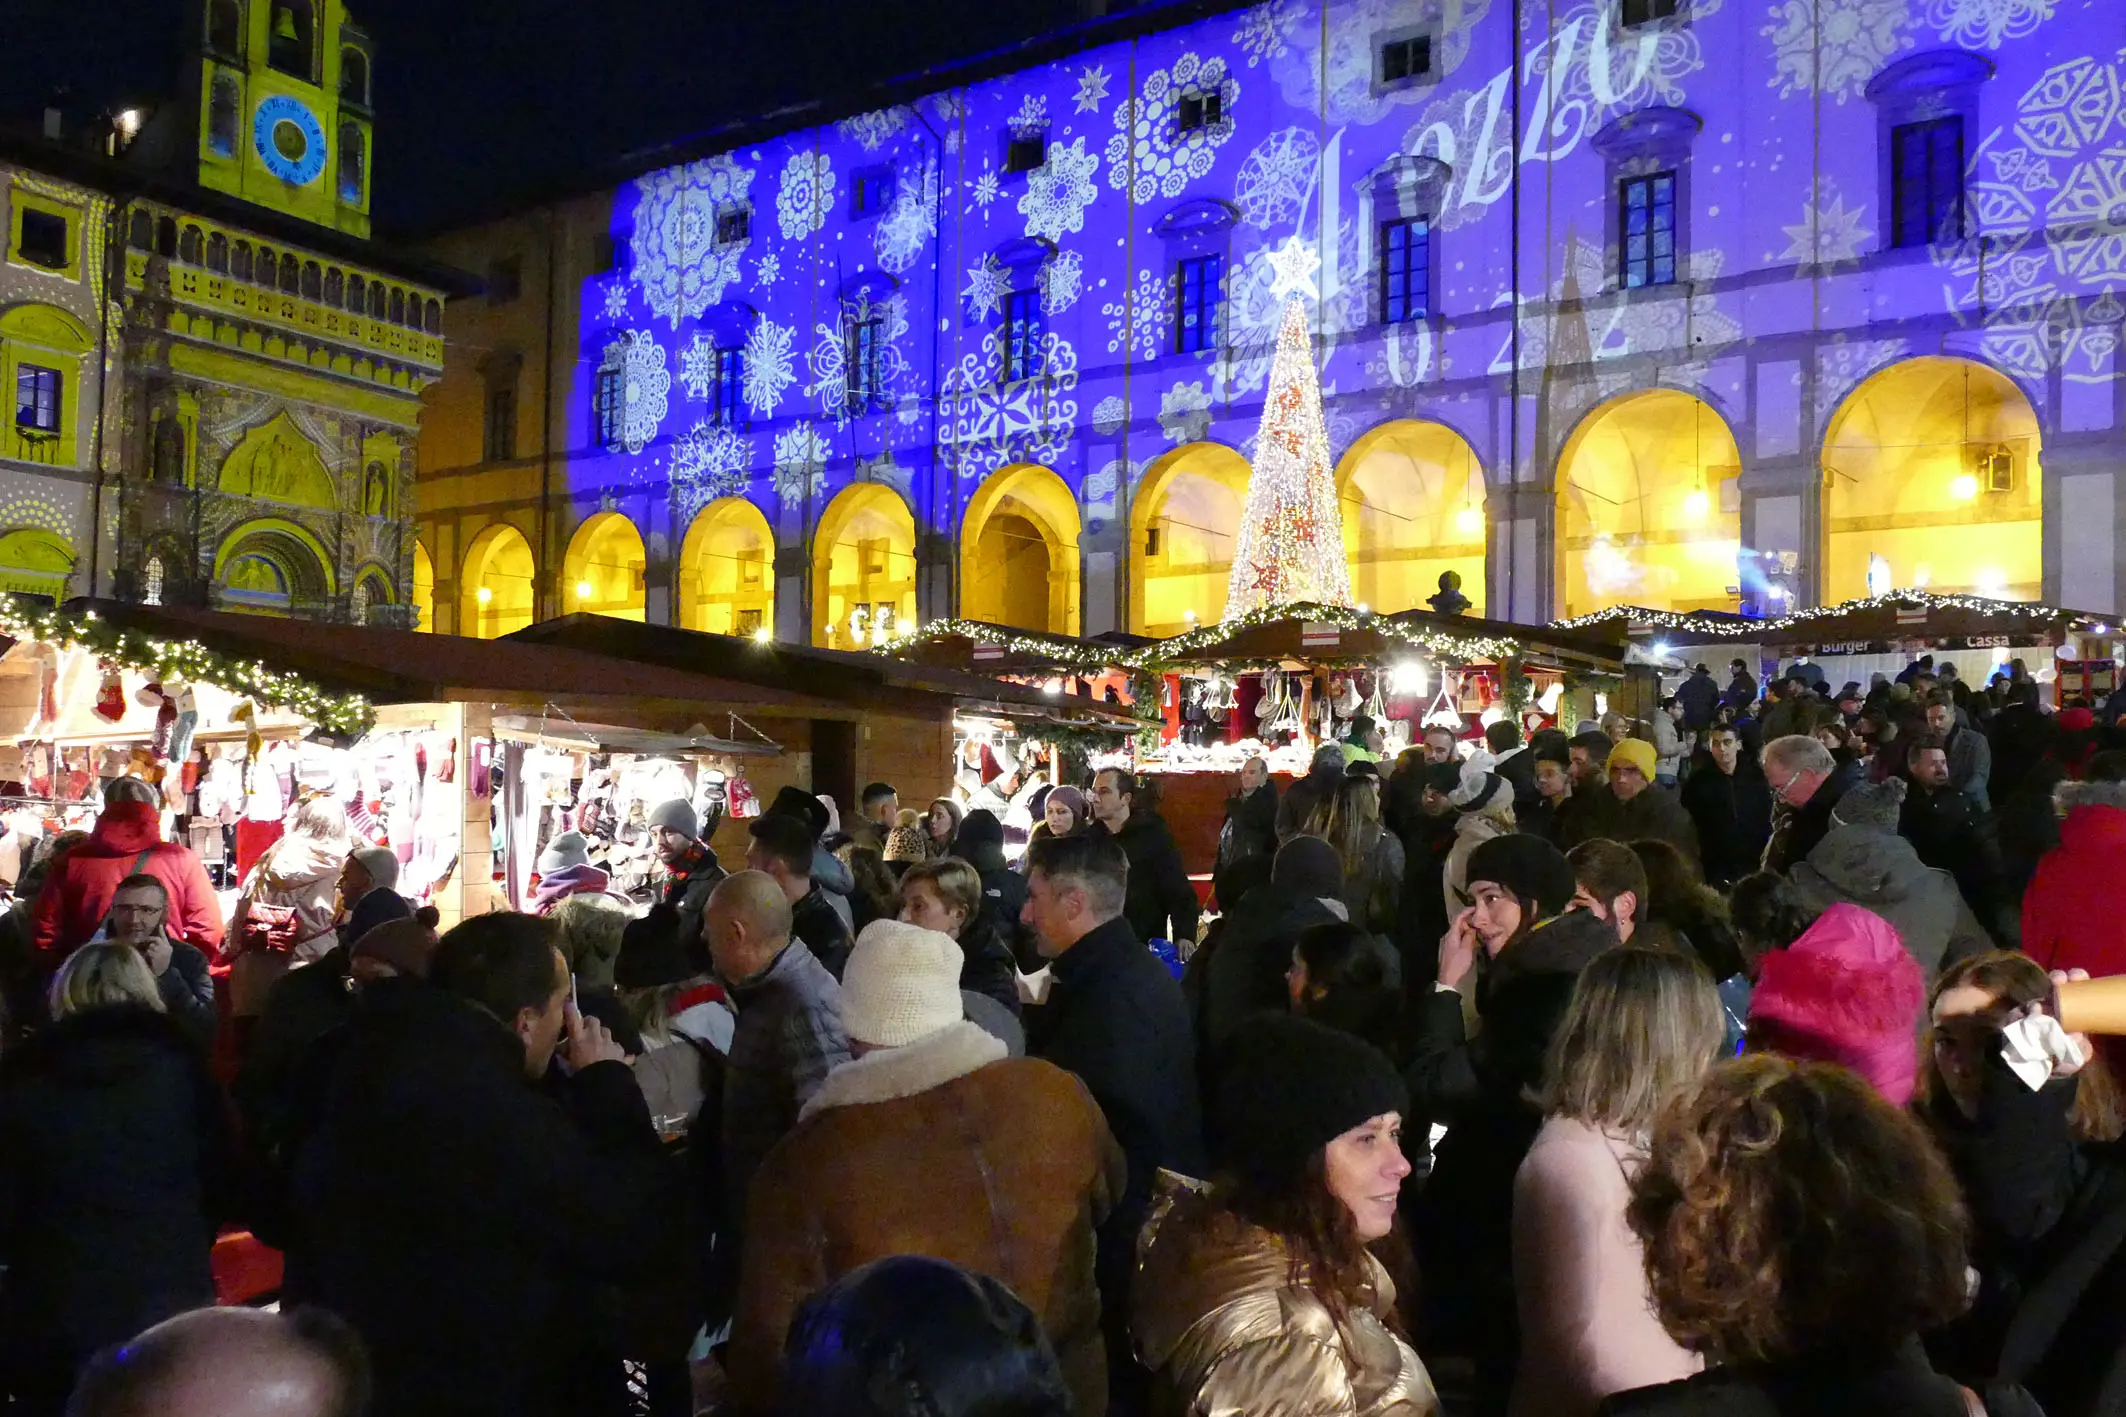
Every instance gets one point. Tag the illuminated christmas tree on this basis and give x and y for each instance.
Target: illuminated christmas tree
(1291, 531)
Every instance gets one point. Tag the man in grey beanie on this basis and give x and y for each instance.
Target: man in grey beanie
(691, 869)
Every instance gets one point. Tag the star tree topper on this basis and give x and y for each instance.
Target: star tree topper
(1292, 268)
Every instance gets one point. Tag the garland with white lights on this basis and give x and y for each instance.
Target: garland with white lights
(1729, 629)
(182, 660)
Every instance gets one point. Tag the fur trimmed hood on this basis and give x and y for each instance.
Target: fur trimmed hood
(931, 1061)
(2070, 795)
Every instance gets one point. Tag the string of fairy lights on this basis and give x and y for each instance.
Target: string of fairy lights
(178, 660)
(1746, 629)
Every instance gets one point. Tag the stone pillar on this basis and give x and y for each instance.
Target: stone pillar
(1521, 555)
(2084, 528)
(793, 594)
(933, 576)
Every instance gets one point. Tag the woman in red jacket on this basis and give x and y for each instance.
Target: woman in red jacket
(127, 838)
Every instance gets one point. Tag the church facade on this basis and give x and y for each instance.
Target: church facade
(217, 379)
(1730, 304)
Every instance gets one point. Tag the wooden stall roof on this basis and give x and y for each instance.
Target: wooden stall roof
(1303, 637)
(1900, 616)
(852, 679)
(980, 647)
(403, 666)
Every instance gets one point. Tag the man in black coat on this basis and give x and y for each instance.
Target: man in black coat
(1631, 806)
(1741, 686)
(980, 843)
(1700, 696)
(1250, 825)
(459, 1215)
(781, 848)
(691, 869)
(1730, 803)
(1117, 1019)
(1948, 831)
(1161, 900)
(1806, 783)
(1515, 762)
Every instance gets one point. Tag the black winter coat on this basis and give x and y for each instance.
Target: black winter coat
(814, 920)
(1250, 830)
(1160, 902)
(1796, 831)
(1733, 815)
(1654, 814)
(115, 1164)
(1896, 1384)
(460, 1217)
(1463, 1219)
(1700, 697)
(2048, 1219)
(1245, 973)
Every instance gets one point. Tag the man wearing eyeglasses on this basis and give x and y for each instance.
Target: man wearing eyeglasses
(1806, 783)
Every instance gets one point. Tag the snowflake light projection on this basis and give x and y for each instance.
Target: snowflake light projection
(800, 464)
(1587, 325)
(765, 271)
(767, 370)
(1600, 74)
(2059, 168)
(1062, 279)
(984, 189)
(828, 359)
(870, 130)
(1136, 320)
(1185, 413)
(645, 386)
(1058, 192)
(616, 300)
(680, 266)
(1829, 233)
(806, 194)
(1291, 544)
(1266, 30)
(1985, 24)
(708, 461)
(985, 423)
(1842, 365)
(1276, 177)
(1092, 89)
(697, 366)
(904, 232)
(1837, 56)
(1032, 114)
(1149, 155)
(986, 287)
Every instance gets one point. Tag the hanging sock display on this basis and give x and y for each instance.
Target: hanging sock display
(152, 695)
(110, 697)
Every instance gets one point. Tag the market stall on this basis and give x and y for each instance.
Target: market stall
(2070, 653)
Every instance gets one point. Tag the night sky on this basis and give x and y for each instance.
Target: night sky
(480, 102)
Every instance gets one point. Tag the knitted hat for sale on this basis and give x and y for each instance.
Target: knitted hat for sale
(565, 850)
(1871, 804)
(1638, 753)
(905, 841)
(1846, 992)
(902, 983)
(1526, 866)
(676, 815)
(1287, 1087)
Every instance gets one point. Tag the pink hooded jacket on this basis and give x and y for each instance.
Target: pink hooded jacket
(1846, 992)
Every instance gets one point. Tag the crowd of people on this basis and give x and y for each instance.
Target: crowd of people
(1710, 1063)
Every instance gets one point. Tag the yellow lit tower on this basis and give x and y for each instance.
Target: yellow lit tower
(284, 115)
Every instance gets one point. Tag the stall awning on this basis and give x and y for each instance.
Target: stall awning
(569, 734)
(980, 647)
(1327, 635)
(1876, 623)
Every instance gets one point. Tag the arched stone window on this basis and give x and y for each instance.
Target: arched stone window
(218, 254)
(224, 115)
(191, 245)
(151, 579)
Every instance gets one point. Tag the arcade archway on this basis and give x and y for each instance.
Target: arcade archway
(1184, 523)
(601, 573)
(273, 567)
(1649, 507)
(1931, 478)
(1019, 552)
(495, 598)
(727, 570)
(863, 566)
(1413, 508)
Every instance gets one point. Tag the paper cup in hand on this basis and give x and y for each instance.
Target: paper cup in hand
(2092, 1005)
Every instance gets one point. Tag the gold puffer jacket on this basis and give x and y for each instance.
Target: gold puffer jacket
(1225, 1331)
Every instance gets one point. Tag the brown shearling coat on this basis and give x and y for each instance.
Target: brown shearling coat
(946, 1148)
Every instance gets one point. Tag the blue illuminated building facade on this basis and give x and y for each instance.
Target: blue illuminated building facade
(1683, 303)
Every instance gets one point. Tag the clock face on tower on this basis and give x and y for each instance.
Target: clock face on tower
(289, 139)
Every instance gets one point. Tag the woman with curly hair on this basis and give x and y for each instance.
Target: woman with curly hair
(1800, 1234)
(2027, 1116)
(1259, 1293)
(1643, 1027)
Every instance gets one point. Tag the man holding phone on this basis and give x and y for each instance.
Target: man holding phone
(456, 1204)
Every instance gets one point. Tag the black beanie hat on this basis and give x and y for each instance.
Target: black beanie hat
(652, 954)
(1528, 866)
(1443, 778)
(1309, 866)
(1287, 1087)
(980, 826)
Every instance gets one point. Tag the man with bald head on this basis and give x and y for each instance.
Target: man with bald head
(789, 1036)
(230, 1363)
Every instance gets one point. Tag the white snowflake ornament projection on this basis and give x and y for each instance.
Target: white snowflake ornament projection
(767, 370)
(1291, 546)
(645, 387)
(1059, 190)
(1092, 89)
(986, 287)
